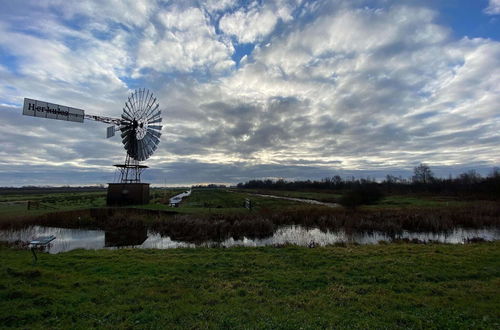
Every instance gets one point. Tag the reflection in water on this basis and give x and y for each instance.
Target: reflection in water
(125, 237)
(70, 239)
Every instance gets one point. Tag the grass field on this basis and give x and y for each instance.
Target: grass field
(203, 201)
(405, 201)
(327, 197)
(385, 286)
(16, 204)
(223, 200)
(373, 286)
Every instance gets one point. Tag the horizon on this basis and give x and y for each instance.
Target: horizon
(234, 184)
(286, 89)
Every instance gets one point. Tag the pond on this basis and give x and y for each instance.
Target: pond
(70, 239)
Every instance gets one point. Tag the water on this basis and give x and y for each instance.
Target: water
(302, 200)
(178, 198)
(70, 239)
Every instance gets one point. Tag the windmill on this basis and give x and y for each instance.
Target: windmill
(140, 127)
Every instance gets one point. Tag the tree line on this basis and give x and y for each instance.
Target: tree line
(423, 180)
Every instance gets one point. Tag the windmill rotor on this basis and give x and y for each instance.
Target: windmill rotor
(141, 125)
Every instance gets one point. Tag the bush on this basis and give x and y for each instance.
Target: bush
(360, 196)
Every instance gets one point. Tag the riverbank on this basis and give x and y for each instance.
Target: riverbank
(394, 285)
(260, 224)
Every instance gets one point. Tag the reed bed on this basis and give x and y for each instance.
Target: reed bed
(217, 227)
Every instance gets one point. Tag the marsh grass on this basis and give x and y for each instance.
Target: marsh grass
(430, 219)
(220, 226)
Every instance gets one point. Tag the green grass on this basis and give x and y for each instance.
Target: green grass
(405, 201)
(390, 201)
(328, 197)
(226, 201)
(381, 286)
(17, 204)
(202, 201)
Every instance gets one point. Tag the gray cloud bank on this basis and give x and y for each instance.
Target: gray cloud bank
(347, 87)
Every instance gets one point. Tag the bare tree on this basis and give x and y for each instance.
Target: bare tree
(470, 177)
(422, 174)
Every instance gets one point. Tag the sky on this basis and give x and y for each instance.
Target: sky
(291, 89)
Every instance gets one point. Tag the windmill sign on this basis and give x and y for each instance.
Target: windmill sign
(43, 109)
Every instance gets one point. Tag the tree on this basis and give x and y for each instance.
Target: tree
(423, 174)
(470, 177)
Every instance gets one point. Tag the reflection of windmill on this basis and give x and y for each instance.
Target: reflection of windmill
(140, 126)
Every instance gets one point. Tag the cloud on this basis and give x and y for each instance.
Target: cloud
(406, 64)
(254, 23)
(219, 5)
(249, 26)
(184, 40)
(493, 7)
(132, 13)
(328, 87)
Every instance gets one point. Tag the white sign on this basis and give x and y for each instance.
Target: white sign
(48, 110)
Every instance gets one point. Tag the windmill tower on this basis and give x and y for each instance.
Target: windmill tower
(140, 127)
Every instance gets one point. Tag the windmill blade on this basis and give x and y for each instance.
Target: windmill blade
(125, 119)
(133, 148)
(126, 123)
(158, 120)
(130, 110)
(145, 95)
(155, 116)
(151, 107)
(146, 99)
(155, 127)
(133, 104)
(139, 150)
(126, 115)
(127, 141)
(126, 135)
(150, 102)
(154, 139)
(149, 146)
(154, 133)
(126, 131)
(130, 105)
(126, 146)
(146, 150)
(153, 110)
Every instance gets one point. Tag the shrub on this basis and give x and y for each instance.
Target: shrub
(360, 196)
